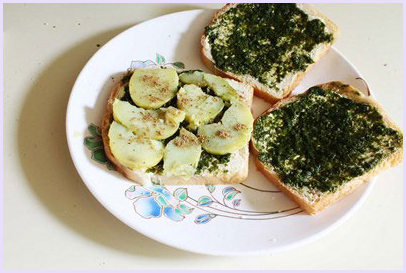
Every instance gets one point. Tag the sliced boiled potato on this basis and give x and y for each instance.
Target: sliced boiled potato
(155, 124)
(199, 107)
(229, 135)
(239, 115)
(173, 115)
(134, 152)
(219, 139)
(221, 87)
(193, 77)
(182, 154)
(150, 88)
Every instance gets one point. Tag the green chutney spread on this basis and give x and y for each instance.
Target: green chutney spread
(323, 139)
(266, 40)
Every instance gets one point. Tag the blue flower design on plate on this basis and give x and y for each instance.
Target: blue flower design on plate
(155, 201)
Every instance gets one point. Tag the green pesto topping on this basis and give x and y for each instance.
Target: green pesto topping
(211, 163)
(323, 140)
(126, 97)
(157, 169)
(265, 40)
(126, 77)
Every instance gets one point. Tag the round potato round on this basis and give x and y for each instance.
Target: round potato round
(150, 88)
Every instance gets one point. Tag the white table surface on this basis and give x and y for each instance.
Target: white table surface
(51, 221)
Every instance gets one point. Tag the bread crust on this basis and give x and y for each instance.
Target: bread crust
(141, 177)
(327, 199)
(259, 89)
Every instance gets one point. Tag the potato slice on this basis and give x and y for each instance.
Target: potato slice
(150, 88)
(199, 107)
(229, 135)
(155, 124)
(134, 152)
(220, 140)
(193, 77)
(221, 87)
(239, 114)
(182, 154)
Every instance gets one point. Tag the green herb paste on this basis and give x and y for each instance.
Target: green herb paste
(265, 40)
(323, 140)
(211, 163)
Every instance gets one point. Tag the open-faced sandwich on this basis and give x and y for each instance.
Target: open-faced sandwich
(170, 127)
(270, 46)
(321, 145)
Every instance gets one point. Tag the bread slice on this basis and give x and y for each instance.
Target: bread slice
(235, 171)
(291, 80)
(313, 201)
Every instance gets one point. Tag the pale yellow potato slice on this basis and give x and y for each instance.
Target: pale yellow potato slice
(153, 87)
(134, 152)
(199, 107)
(182, 154)
(155, 124)
(229, 135)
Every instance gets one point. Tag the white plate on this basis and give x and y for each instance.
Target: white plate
(222, 220)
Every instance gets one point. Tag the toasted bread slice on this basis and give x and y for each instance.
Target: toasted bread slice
(286, 85)
(314, 200)
(235, 171)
